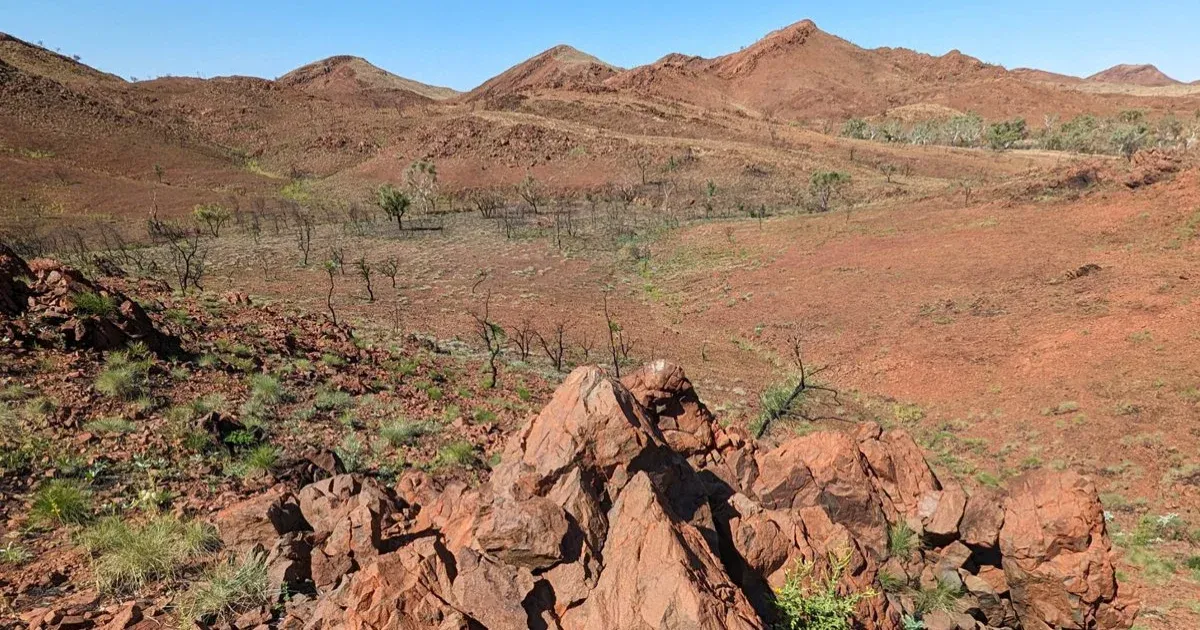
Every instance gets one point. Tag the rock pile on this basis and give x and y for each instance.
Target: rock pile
(40, 302)
(625, 505)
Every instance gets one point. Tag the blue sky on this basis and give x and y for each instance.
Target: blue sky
(460, 43)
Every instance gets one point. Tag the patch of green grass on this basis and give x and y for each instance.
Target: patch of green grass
(331, 400)
(258, 460)
(332, 360)
(901, 539)
(1154, 568)
(523, 394)
(484, 416)
(90, 303)
(943, 597)
(405, 432)
(15, 391)
(228, 589)
(460, 453)
(61, 502)
(40, 408)
(125, 557)
(110, 425)
(907, 414)
(891, 583)
(14, 554)
(125, 374)
(297, 190)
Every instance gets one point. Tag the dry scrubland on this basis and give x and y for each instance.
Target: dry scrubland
(288, 367)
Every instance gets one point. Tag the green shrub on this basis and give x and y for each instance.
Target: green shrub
(1006, 134)
(809, 602)
(405, 432)
(352, 453)
(459, 453)
(125, 557)
(61, 502)
(90, 303)
(228, 589)
(824, 187)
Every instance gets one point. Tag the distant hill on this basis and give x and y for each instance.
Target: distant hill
(561, 67)
(345, 76)
(1144, 75)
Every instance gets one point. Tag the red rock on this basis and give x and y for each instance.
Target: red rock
(1055, 553)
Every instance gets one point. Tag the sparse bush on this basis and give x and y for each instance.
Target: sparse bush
(61, 502)
(331, 399)
(857, 128)
(90, 303)
(809, 602)
(405, 432)
(1129, 139)
(228, 589)
(213, 215)
(126, 557)
(824, 187)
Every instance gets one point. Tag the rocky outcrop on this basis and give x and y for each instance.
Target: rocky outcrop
(625, 505)
(48, 302)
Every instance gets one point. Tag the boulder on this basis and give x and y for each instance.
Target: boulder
(664, 390)
(259, 520)
(1056, 555)
(658, 573)
(981, 521)
(940, 512)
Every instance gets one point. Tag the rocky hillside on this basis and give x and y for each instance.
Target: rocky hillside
(622, 504)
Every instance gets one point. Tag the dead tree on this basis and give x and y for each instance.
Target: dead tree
(779, 402)
(618, 345)
(522, 337)
(364, 271)
(186, 248)
(304, 235)
(490, 333)
(330, 267)
(555, 346)
(390, 267)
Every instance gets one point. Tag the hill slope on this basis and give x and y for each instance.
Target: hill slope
(347, 76)
(561, 67)
(1144, 75)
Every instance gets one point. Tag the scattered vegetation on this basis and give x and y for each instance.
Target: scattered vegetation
(126, 557)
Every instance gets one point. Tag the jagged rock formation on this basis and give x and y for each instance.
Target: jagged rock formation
(40, 303)
(625, 505)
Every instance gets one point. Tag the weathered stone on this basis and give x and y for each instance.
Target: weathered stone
(982, 520)
(1055, 554)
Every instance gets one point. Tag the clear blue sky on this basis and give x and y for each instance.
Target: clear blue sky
(460, 43)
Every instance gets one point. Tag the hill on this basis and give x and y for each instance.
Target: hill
(560, 68)
(346, 76)
(1144, 75)
(40, 61)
